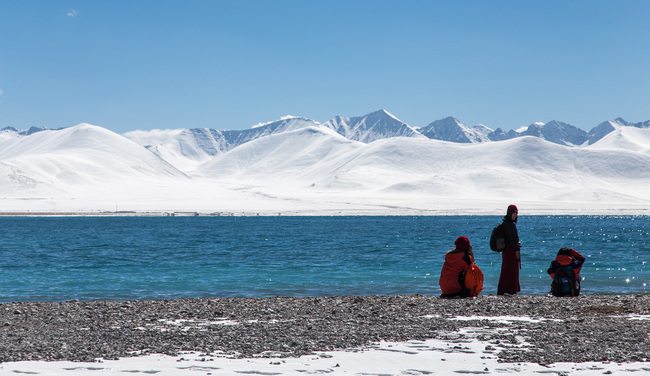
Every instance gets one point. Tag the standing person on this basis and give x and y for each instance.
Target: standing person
(457, 260)
(565, 271)
(511, 257)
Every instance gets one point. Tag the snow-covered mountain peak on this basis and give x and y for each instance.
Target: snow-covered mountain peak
(26, 132)
(483, 129)
(556, 132)
(285, 120)
(383, 114)
(621, 121)
(379, 116)
(602, 130)
(449, 122)
(451, 129)
(284, 124)
(374, 126)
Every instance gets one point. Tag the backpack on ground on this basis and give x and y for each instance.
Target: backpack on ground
(498, 238)
(474, 280)
(564, 282)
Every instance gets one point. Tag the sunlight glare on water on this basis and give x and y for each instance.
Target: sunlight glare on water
(87, 258)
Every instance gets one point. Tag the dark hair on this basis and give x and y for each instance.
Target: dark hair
(564, 251)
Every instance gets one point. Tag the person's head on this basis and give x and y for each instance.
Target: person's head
(512, 213)
(462, 243)
(564, 251)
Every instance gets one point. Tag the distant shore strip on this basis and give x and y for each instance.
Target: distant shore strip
(310, 213)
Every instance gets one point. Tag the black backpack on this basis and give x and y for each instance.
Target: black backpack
(564, 282)
(498, 238)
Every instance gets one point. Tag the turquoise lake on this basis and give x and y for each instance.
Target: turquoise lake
(125, 258)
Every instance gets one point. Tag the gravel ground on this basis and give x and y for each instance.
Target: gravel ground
(587, 328)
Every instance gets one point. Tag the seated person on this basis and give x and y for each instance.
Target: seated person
(565, 271)
(452, 277)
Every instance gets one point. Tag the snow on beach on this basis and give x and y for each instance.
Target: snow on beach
(465, 355)
(430, 357)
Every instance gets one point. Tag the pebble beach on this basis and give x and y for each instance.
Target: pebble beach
(513, 329)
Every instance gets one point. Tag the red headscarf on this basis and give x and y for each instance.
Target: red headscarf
(462, 243)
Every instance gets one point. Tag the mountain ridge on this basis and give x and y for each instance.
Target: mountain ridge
(377, 125)
(381, 124)
(368, 128)
(297, 163)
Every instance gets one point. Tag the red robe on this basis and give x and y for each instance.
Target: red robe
(509, 279)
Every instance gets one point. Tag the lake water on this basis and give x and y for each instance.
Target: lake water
(123, 258)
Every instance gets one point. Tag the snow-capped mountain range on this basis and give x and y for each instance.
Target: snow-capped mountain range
(368, 164)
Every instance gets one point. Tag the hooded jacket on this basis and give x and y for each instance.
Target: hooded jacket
(568, 257)
(510, 228)
(456, 261)
(575, 259)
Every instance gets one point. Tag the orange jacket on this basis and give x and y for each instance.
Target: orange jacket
(576, 260)
(455, 262)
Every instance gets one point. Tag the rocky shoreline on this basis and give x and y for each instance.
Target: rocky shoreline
(602, 328)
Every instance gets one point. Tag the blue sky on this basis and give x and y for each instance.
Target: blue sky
(145, 64)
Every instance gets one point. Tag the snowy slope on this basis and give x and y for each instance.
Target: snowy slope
(83, 156)
(624, 139)
(602, 130)
(524, 168)
(186, 149)
(190, 147)
(297, 156)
